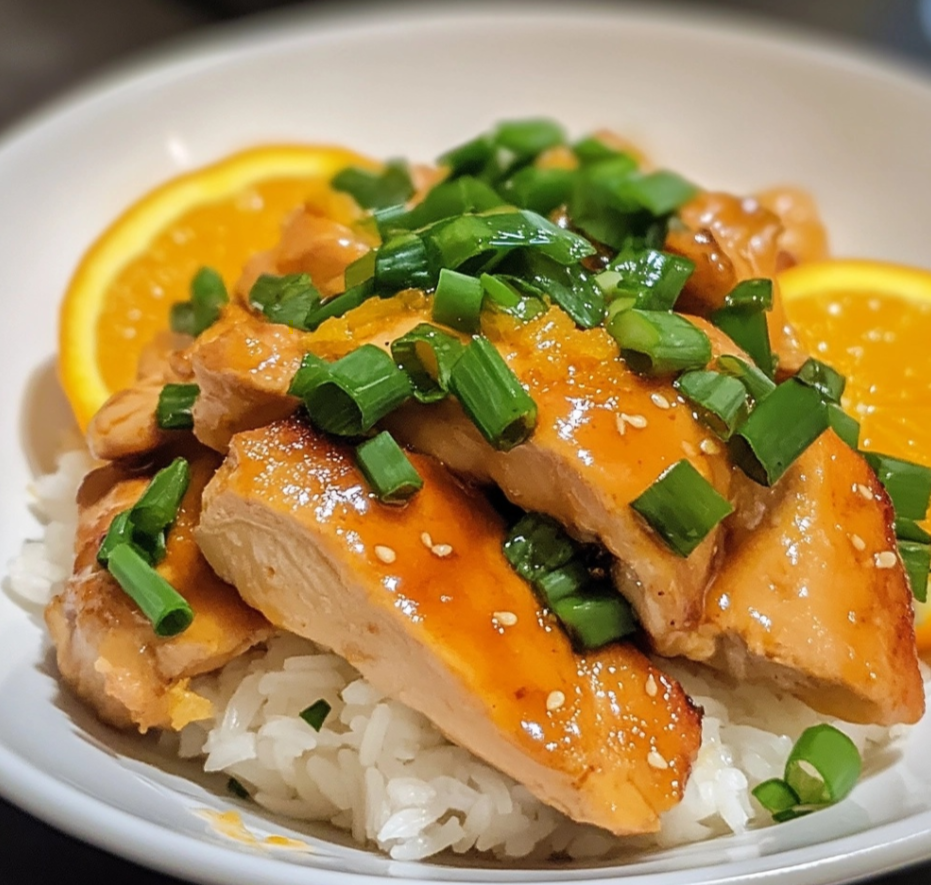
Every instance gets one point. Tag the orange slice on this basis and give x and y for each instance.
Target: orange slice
(872, 322)
(220, 215)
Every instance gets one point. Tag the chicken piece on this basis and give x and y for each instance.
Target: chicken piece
(731, 239)
(603, 435)
(812, 596)
(422, 601)
(106, 648)
(244, 364)
(803, 236)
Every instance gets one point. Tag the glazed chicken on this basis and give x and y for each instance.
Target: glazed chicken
(107, 650)
(423, 602)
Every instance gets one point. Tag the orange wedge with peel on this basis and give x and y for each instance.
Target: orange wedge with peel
(120, 295)
(872, 322)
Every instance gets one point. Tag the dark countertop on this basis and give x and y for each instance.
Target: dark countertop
(46, 46)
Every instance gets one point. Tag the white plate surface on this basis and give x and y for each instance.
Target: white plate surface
(729, 105)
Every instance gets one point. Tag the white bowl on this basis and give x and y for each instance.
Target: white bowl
(730, 106)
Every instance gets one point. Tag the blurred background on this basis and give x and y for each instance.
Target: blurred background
(48, 46)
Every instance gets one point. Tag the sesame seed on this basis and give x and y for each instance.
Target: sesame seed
(659, 401)
(426, 539)
(385, 554)
(709, 447)
(554, 700)
(654, 760)
(858, 542)
(886, 559)
(689, 449)
(505, 619)
(864, 491)
(441, 550)
(651, 686)
(638, 422)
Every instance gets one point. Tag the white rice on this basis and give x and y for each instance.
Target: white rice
(383, 773)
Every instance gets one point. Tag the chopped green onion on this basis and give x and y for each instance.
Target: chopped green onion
(458, 240)
(540, 190)
(743, 320)
(168, 611)
(567, 580)
(592, 149)
(237, 789)
(908, 484)
(595, 207)
(175, 409)
(829, 382)
(909, 530)
(428, 355)
(355, 392)
(659, 193)
(823, 766)
(120, 532)
(538, 545)
(847, 428)
(470, 157)
(403, 263)
(492, 396)
(505, 292)
(654, 278)
(758, 385)
(457, 302)
(286, 299)
(682, 507)
(719, 400)
(360, 270)
(527, 139)
(657, 343)
(775, 795)
(315, 715)
(157, 508)
(339, 304)
(778, 430)
(375, 190)
(208, 295)
(916, 557)
(387, 469)
(573, 288)
(596, 618)
(448, 199)
(313, 371)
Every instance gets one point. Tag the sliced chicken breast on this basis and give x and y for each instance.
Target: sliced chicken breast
(422, 601)
(106, 648)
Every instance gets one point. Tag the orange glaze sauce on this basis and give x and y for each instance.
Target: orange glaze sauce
(222, 234)
(436, 565)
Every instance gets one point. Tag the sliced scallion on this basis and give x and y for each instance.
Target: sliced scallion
(540, 190)
(829, 382)
(492, 396)
(908, 484)
(120, 532)
(823, 766)
(595, 618)
(355, 392)
(512, 295)
(778, 430)
(654, 278)
(175, 409)
(339, 304)
(847, 428)
(567, 580)
(457, 301)
(775, 795)
(285, 299)
(758, 385)
(572, 287)
(360, 270)
(682, 507)
(208, 295)
(743, 320)
(448, 199)
(168, 611)
(157, 508)
(402, 262)
(387, 469)
(592, 149)
(916, 557)
(315, 715)
(909, 530)
(659, 193)
(719, 400)
(658, 343)
(313, 371)
(375, 190)
(428, 355)
(538, 545)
